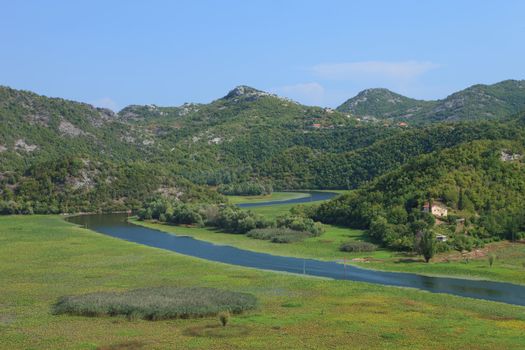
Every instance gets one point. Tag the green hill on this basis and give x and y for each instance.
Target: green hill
(480, 181)
(478, 102)
(35, 127)
(242, 140)
(384, 104)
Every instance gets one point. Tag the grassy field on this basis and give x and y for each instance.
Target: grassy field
(509, 265)
(324, 247)
(43, 258)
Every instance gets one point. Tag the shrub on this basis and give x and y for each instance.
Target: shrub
(357, 247)
(156, 303)
(300, 223)
(491, 258)
(426, 245)
(278, 235)
(236, 220)
(186, 214)
(224, 318)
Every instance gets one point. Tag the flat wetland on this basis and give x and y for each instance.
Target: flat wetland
(43, 258)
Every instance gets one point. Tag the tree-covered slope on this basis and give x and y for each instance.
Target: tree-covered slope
(75, 184)
(302, 167)
(245, 139)
(384, 104)
(230, 137)
(480, 181)
(34, 127)
(478, 102)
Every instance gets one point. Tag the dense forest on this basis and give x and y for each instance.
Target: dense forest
(71, 185)
(482, 183)
(463, 151)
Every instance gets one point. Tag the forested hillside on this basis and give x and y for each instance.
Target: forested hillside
(478, 102)
(482, 183)
(302, 167)
(59, 155)
(35, 127)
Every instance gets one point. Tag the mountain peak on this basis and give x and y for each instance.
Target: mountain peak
(245, 91)
(381, 93)
(381, 103)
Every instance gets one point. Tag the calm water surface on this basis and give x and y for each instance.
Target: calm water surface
(115, 225)
(313, 196)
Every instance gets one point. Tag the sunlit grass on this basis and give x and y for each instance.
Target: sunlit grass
(43, 258)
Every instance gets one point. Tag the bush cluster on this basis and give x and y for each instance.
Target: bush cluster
(229, 218)
(300, 223)
(245, 189)
(278, 235)
(357, 247)
(157, 303)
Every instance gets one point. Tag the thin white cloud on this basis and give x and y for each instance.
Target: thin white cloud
(405, 70)
(106, 102)
(307, 93)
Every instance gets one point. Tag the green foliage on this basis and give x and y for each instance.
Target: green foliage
(425, 244)
(488, 191)
(357, 247)
(300, 223)
(278, 234)
(245, 189)
(224, 318)
(383, 104)
(474, 103)
(156, 303)
(302, 167)
(76, 185)
(235, 220)
(491, 259)
(226, 217)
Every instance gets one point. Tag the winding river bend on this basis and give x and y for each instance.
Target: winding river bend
(116, 225)
(313, 196)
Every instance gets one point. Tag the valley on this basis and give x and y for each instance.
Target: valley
(56, 258)
(436, 201)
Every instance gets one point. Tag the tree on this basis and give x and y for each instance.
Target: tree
(426, 244)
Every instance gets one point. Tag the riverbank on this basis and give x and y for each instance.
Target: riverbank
(508, 266)
(44, 257)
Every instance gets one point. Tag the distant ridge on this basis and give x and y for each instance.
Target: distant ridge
(477, 102)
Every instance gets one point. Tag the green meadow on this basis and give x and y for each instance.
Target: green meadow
(43, 258)
(509, 265)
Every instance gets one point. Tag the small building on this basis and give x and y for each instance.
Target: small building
(507, 156)
(402, 124)
(436, 209)
(441, 238)
(316, 126)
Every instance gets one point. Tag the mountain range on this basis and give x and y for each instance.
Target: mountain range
(474, 103)
(247, 136)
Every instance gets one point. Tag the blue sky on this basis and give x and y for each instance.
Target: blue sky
(115, 53)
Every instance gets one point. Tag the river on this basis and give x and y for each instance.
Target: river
(116, 225)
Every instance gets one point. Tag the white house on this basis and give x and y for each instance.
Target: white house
(437, 209)
(441, 238)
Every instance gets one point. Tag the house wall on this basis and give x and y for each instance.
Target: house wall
(439, 211)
